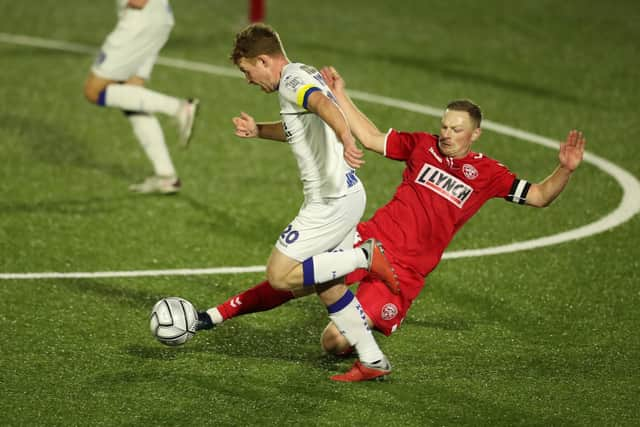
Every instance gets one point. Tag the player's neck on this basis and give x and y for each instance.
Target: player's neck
(280, 62)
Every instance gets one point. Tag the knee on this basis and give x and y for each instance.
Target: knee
(332, 341)
(93, 87)
(277, 280)
(91, 94)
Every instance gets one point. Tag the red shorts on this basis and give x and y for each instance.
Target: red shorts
(385, 309)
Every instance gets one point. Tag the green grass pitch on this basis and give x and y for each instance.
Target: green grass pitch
(547, 336)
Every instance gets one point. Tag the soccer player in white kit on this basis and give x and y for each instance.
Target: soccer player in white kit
(316, 248)
(117, 80)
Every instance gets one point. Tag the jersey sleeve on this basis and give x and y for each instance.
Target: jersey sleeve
(509, 186)
(399, 145)
(298, 83)
(518, 191)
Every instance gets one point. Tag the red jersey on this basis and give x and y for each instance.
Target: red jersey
(438, 194)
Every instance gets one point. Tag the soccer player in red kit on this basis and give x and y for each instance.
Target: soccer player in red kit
(443, 185)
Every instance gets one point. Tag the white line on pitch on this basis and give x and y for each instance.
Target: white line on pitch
(628, 207)
(137, 273)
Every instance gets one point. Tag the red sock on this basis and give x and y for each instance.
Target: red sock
(356, 276)
(261, 297)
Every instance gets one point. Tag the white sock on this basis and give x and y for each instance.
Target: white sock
(215, 315)
(348, 316)
(138, 98)
(149, 133)
(327, 266)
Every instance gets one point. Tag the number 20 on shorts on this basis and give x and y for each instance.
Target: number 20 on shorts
(289, 235)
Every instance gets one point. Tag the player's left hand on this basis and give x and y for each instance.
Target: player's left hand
(572, 150)
(246, 126)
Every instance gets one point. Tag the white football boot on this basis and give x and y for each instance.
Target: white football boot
(158, 185)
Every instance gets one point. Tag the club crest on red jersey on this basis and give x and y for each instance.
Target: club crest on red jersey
(444, 184)
(469, 171)
(389, 311)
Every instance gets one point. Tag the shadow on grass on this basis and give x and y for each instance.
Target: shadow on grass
(260, 335)
(118, 295)
(79, 206)
(54, 145)
(243, 339)
(221, 221)
(288, 334)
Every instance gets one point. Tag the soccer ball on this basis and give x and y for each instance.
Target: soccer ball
(173, 321)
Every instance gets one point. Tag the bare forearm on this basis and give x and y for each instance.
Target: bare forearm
(542, 194)
(329, 113)
(271, 130)
(553, 185)
(363, 128)
(360, 124)
(570, 156)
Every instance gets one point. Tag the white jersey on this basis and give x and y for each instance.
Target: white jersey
(319, 153)
(121, 5)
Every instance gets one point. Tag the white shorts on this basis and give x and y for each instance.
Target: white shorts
(132, 48)
(323, 226)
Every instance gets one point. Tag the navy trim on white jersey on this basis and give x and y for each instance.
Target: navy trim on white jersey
(305, 99)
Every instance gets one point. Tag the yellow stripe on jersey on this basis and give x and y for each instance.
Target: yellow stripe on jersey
(303, 94)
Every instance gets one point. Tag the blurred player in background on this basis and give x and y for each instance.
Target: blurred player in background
(315, 251)
(117, 80)
(443, 185)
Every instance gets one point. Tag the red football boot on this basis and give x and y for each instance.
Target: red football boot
(379, 264)
(360, 372)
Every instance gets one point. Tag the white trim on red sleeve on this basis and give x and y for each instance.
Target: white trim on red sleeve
(385, 141)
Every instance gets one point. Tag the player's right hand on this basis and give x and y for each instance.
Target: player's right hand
(245, 126)
(352, 154)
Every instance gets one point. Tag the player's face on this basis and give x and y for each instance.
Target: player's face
(457, 133)
(257, 72)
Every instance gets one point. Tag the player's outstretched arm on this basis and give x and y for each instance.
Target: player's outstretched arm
(331, 114)
(570, 157)
(362, 127)
(246, 127)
